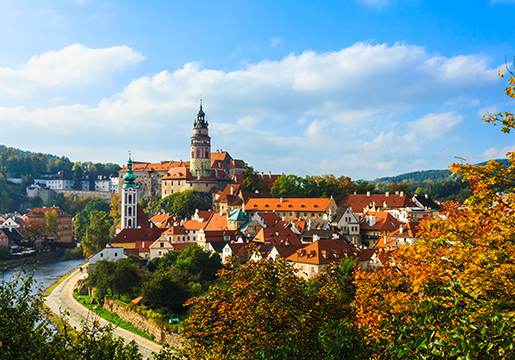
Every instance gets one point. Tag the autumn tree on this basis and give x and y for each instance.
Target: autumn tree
(34, 229)
(263, 310)
(115, 206)
(52, 223)
(451, 295)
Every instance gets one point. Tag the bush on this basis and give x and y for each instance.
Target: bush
(75, 253)
(4, 252)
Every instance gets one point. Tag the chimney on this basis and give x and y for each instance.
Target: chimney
(269, 174)
(316, 237)
(281, 200)
(396, 193)
(243, 207)
(401, 229)
(402, 193)
(427, 197)
(232, 190)
(368, 193)
(372, 220)
(387, 194)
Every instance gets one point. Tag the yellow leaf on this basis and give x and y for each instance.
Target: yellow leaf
(501, 73)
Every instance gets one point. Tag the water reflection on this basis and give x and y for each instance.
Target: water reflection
(47, 272)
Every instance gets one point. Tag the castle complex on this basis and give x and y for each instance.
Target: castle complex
(204, 171)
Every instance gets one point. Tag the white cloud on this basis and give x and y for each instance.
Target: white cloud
(351, 108)
(434, 125)
(496, 153)
(74, 65)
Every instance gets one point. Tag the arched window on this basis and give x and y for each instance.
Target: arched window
(130, 211)
(130, 199)
(129, 223)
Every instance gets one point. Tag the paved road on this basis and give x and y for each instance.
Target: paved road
(61, 300)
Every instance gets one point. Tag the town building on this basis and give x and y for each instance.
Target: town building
(293, 208)
(64, 222)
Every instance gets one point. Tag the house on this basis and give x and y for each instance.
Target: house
(238, 249)
(176, 234)
(108, 253)
(348, 223)
(138, 238)
(311, 259)
(405, 234)
(162, 246)
(236, 220)
(64, 222)
(164, 220)
(293, 208)
(375, 224)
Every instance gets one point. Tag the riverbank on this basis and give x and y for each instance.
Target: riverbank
(61, 301)
(12, 263)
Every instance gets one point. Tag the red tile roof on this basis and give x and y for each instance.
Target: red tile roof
(277, 236)
(383, 221)
(134, 235)
(324, 252)
(40, 212)
(291, 204)
(360, 201)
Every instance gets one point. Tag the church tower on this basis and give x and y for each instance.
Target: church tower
(200, 162)
(129, 199)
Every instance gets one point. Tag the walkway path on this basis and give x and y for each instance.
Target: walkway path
(61, 300)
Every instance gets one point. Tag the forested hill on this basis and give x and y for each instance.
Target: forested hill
(24, 153)
(431, 175)
(427, 175)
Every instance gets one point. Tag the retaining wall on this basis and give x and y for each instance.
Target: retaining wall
(140, 322)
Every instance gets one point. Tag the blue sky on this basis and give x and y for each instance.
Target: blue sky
(363, 88)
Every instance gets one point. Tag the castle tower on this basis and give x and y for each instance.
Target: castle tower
(129, 199)
(200, 162)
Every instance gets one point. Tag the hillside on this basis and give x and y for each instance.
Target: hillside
(426, 175)
(24, 153)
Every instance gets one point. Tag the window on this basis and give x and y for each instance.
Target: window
(162, 244)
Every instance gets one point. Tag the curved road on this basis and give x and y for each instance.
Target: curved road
(61, 301)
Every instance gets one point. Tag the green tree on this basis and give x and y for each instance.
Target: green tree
(25, 334)
(97, 233)
(52, 223)
(182, 204)
(363, 187)
(288, 186)
(78, 174)
(196, 260)
(252, 181)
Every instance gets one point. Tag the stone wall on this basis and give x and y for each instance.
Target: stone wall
(140, 322)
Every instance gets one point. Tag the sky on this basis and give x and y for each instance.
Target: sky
(361, 88)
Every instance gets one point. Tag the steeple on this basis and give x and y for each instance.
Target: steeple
(129, 198)
(128, 179)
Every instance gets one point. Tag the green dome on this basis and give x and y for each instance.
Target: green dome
(129, 178)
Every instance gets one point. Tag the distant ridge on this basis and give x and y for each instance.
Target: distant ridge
(427, 175)
(24, 153)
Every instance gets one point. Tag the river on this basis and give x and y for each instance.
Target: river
(46, 272)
